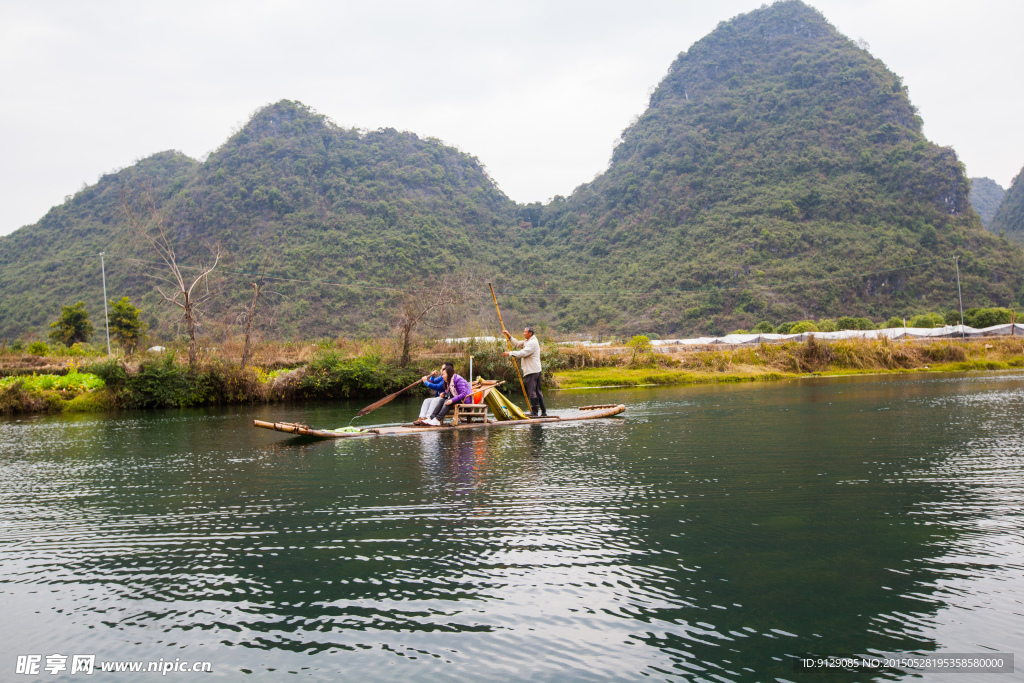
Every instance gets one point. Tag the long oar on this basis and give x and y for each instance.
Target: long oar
(514, 364)
(386, 399)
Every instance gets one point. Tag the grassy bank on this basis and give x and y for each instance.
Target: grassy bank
(322, 370)
(812, 358)
(331, 370)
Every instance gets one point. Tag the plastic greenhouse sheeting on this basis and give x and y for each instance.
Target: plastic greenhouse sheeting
(948, 332)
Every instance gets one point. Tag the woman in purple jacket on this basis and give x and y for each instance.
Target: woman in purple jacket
(456, 390)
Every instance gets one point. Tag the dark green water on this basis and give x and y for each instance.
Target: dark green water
(711, 534)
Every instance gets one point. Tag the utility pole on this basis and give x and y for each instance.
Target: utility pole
(106, 316)
(956, 260)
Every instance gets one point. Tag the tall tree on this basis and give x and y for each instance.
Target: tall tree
(126, 326)
(72, 326)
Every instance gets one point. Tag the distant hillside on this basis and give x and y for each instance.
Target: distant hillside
(776, 160)
(986, 195)
(55, 261)
(1010, 215)
(779, 173)
(323, 205)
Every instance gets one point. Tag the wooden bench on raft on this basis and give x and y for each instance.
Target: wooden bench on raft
(469, 412)
(475, 412)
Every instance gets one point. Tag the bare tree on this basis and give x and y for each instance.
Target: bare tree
(146, 223)
(433, 304)
(250, 312)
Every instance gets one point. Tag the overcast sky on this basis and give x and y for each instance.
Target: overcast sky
(538, 91)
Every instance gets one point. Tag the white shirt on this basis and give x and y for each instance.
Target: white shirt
(529, 356)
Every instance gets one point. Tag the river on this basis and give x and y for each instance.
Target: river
(711, 533)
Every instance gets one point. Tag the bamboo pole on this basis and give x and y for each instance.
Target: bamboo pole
(509, 341)
(386, 399)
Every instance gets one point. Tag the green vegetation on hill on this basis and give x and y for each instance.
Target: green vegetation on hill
(776, 160)
(325, 209)
(1009, 218)
(779, 173)
(55, 262)
(986, 195)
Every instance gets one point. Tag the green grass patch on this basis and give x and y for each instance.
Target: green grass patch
(73, 381)
(600, 377)
(603, 377)
(964, 366)
(97, 401)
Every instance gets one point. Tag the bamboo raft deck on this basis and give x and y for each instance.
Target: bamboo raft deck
(586, 413)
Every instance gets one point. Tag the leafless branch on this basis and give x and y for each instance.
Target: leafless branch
(440, 297)
(147, 226)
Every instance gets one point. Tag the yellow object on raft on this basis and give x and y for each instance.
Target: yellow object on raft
(501, 408)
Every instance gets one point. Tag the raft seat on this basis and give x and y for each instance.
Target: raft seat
(469, 412)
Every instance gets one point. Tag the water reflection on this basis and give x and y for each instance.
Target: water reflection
(712, 534)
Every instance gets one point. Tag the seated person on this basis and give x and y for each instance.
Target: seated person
(456, 390)
(435, 383)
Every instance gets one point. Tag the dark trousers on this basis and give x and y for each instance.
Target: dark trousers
(441, 410)
(532, 382)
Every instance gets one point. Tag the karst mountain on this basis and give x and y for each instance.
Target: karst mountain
(779, 172)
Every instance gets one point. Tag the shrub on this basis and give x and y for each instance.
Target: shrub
(228, 383)
(329, 375)
(575, 356)
(764, 327)
(740, 332)
(81, 349)
(828, 325)
(164, 384)
(894, 322)
(784, 328)
(945, 352)
(640, 346)
(927, 320)
(804, 326)
(818, 354)
(38, 348)
(849, 323)
(113, 374)
(986, 317)
(15, 398)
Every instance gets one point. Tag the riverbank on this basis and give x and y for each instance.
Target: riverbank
(331, 371)
(809, 359)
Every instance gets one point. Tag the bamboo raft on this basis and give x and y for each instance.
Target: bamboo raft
(586, 413)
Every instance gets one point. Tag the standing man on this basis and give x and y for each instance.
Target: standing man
(530, 358)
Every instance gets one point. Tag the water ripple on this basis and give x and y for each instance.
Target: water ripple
(712, 534)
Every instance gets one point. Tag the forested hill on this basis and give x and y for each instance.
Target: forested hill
(318, 203)
(986, 196)
(1009, 216)
(779, 173)
(776, 159)
(55, 261)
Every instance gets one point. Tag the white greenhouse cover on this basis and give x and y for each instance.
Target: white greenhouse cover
(949, 331)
